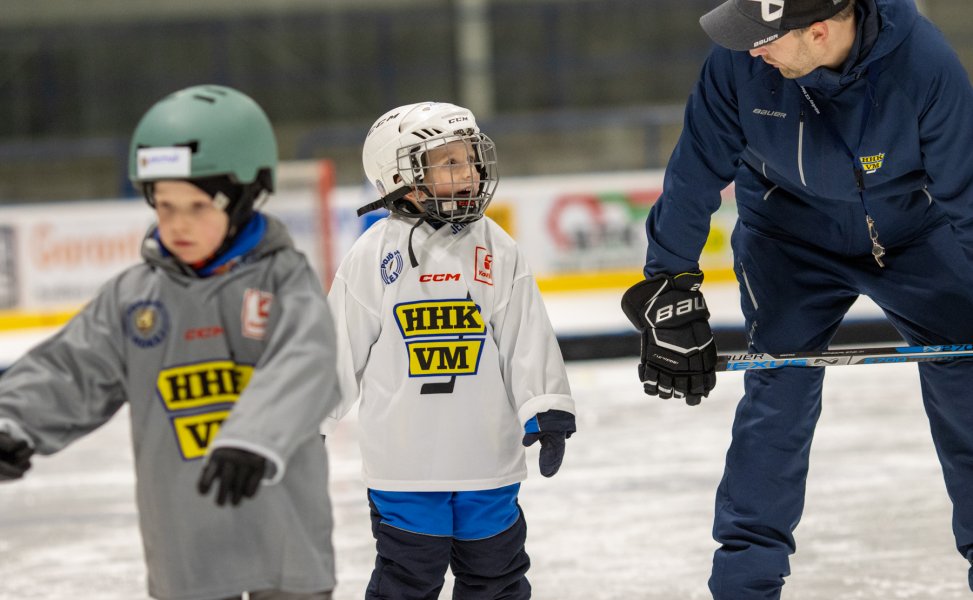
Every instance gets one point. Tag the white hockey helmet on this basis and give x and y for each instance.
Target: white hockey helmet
(394, 158)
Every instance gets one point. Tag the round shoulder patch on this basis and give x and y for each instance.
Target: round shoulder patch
(146, 323)
(391, 266)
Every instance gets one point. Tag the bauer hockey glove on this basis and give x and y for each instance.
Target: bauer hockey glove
(552, 428)
(678, 357)
(239, 472)
(14, 457)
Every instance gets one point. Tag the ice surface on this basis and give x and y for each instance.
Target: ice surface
(628, 517)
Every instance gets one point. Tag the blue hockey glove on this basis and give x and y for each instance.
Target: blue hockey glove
(678, 357)
(14, 457)
(239, 472)
(552, 428)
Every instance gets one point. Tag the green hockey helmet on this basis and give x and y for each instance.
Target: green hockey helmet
(224, 131)
(213, 136)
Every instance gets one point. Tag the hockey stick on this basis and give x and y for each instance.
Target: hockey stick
(848, 356)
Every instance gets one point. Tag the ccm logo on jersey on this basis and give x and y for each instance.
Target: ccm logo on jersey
(438, 277)
(202, 333)
(255, 313)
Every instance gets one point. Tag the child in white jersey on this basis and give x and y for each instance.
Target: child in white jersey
(443, 336)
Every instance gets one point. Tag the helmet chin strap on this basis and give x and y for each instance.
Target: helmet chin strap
(396, 203)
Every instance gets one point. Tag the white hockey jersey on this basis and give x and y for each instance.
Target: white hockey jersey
(449, 358)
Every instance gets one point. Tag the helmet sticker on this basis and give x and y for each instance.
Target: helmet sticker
(175, 162)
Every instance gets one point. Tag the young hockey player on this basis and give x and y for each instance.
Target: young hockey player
(443, 335)
(209, 343)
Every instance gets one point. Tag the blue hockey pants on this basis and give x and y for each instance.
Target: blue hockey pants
(480, 535)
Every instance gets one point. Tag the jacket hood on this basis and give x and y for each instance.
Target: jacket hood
(884, 26)
(274, 239)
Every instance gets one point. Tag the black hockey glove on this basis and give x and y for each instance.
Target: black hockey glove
(239, 472)
(14, 457)
(678, 351)
(552, 428)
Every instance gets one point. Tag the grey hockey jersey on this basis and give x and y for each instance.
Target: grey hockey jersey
(243, 359)
(449, 358)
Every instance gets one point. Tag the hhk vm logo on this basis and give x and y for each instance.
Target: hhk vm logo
(872, 163)
(198, 395)
(436, 319)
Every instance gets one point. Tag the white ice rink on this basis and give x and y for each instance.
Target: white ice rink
(628, 517)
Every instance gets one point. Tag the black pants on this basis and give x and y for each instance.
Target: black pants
(412, 566)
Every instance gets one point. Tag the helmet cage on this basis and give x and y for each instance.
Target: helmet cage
(452, 192)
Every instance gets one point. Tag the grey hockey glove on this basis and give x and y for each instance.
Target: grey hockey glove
(552, 428)
(678, 357)
(239, 472)
(14, 457)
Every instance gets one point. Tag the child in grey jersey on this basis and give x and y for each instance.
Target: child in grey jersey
(208, 343)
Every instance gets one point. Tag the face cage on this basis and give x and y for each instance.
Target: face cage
(463, 203)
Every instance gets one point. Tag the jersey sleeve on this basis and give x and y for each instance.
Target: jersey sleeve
(358, 328)
(294, 384)
(70, 384)
(530, 358)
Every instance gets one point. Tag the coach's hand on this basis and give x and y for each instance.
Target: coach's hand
(239, 473)
(14, 457)
(678, 351)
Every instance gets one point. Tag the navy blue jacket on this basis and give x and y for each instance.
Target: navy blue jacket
(795, 177)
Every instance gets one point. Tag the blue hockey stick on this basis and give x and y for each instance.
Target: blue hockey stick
(848, 356)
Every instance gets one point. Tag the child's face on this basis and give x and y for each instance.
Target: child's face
(451, 171)
(191, 226)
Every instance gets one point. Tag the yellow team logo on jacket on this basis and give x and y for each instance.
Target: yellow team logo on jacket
(195, 432)
(872, 163)
(438, 319)
(196, 396)
(202, 384)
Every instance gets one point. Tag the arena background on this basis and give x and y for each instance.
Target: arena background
(584, 99)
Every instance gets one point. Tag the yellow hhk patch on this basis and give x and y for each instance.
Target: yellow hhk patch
(195, 432)
(439, 317)
(872, 163)
(202, 384)
(459, 357)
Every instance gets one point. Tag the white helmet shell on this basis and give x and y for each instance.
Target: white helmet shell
(394, 146)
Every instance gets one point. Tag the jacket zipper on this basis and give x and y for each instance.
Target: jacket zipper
(878, 250)
(800, 150)
(746, 284)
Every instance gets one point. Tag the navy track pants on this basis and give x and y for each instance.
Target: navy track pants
(794, 297)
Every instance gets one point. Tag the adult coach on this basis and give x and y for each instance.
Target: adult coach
(847, 127)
